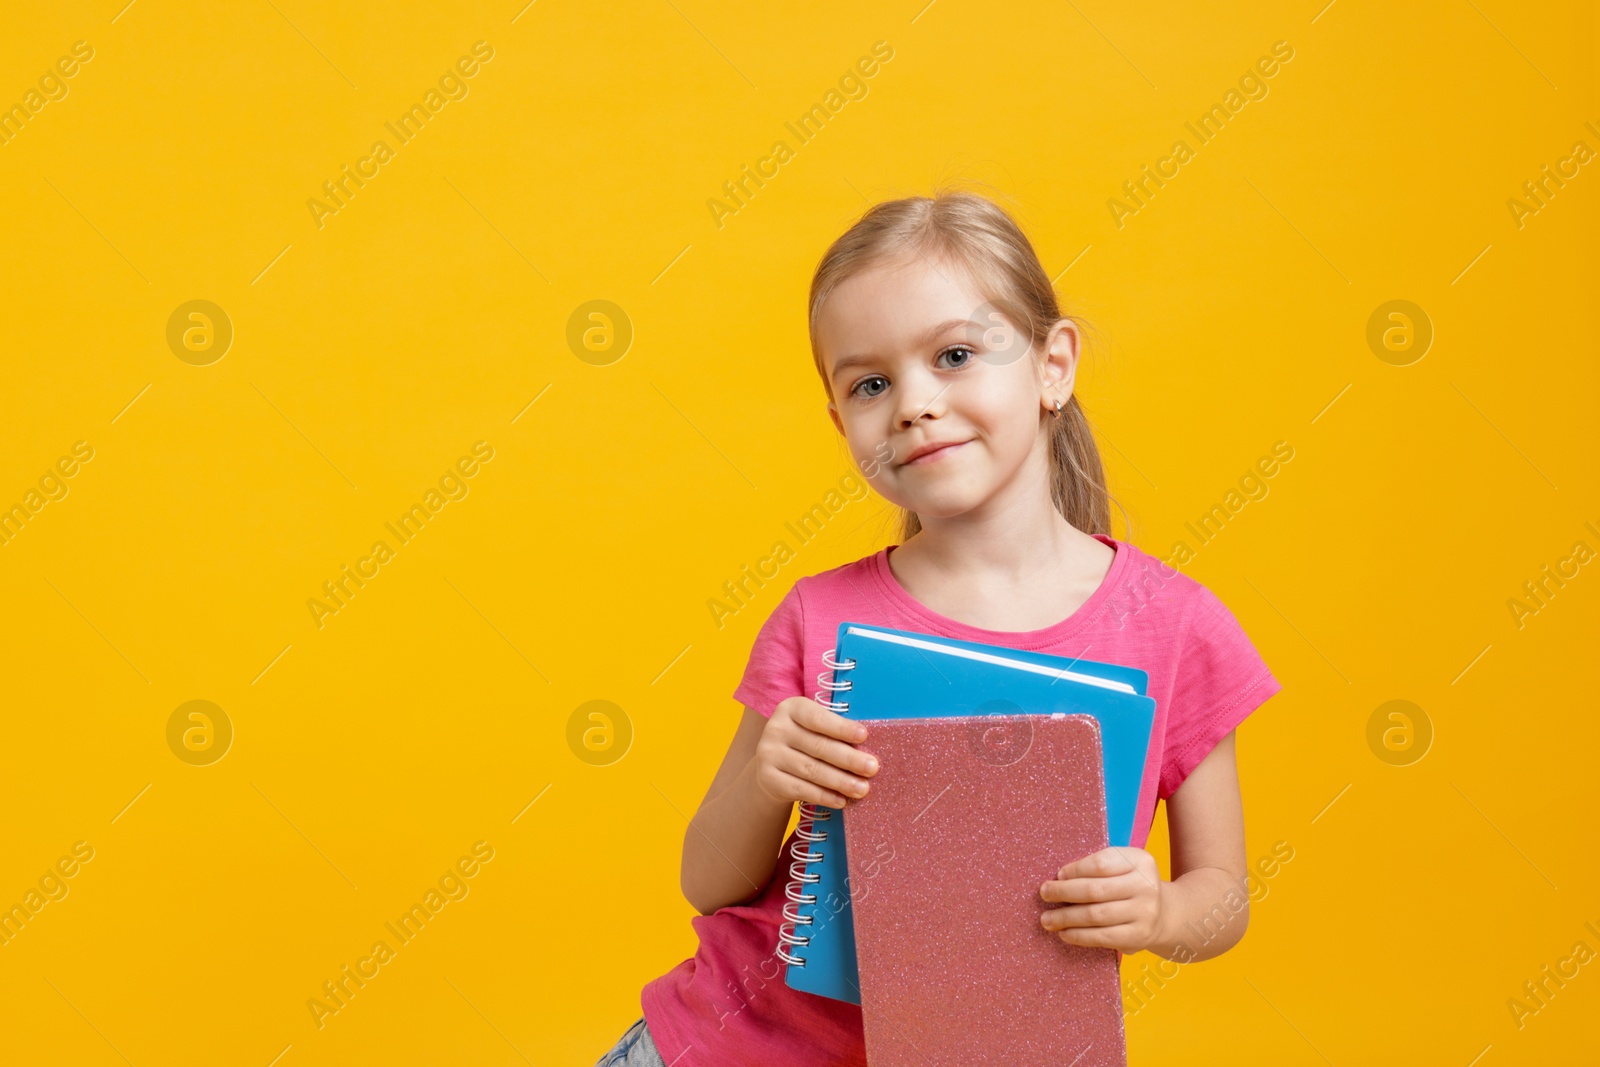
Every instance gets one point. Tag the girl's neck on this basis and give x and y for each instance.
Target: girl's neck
(1019, 580)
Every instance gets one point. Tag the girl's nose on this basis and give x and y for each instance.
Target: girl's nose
(921, 398)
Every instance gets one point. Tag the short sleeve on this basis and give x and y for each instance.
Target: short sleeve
(1220, 680)
(777, 669)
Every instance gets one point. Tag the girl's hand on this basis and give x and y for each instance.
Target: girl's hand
(1115, 900)
(805, 754)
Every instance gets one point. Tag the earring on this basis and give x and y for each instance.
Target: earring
(1056, 414)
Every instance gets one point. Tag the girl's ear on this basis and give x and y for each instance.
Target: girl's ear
(833, 413)
(1060, 366)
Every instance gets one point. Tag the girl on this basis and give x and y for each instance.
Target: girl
(949, 370)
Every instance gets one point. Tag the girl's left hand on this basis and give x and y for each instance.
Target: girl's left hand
(1115, 898)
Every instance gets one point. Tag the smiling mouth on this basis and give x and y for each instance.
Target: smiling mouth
(936, 455)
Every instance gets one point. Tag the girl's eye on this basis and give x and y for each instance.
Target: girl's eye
(965, 352)
(872, 380)
(874, 384)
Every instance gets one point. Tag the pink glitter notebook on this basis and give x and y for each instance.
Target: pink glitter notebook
(966, 818)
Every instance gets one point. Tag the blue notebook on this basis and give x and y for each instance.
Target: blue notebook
(880, 673)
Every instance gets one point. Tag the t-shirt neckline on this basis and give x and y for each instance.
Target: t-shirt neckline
(897, 594)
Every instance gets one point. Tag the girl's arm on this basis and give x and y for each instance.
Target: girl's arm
(1116, 898)
(732, 844)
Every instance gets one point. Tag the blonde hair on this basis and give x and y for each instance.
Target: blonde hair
(978, 235)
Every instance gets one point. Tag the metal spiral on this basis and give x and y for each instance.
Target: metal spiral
(807, 833)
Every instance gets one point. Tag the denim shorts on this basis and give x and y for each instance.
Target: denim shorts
(636, 1049)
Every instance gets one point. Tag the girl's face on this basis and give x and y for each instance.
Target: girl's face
(917, 358)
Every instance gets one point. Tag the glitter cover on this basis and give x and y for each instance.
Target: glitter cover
(965, 819)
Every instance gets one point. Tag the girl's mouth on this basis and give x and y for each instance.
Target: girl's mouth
(937, 454)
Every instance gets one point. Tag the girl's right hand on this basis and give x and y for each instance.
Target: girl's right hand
(805, 755)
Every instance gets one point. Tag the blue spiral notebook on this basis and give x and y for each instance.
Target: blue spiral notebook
(880, 673)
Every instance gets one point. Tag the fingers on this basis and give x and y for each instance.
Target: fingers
(808, 792)
(818, 749)
(1110, 902)
(820, 720)
(841, 755)
(1090, 890)
(1124, 937)
(800, 764)
(804, 755)
(1086, 916)
(1107, 861)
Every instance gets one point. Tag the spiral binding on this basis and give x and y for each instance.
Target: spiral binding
(807, 833)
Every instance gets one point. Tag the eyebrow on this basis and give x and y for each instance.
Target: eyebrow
(927, 338)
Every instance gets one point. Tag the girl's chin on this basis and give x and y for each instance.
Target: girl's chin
(945, 505)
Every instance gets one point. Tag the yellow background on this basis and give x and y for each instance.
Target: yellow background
(427, 314)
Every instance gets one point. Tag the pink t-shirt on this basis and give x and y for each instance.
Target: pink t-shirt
(729, 1004)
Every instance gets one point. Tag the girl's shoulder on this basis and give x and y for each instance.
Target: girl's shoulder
(840, 580)
(1154, 593)
(1141, 593)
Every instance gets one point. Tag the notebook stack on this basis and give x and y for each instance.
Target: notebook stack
(920, 901)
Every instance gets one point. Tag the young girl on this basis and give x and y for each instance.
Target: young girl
(949, 369)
